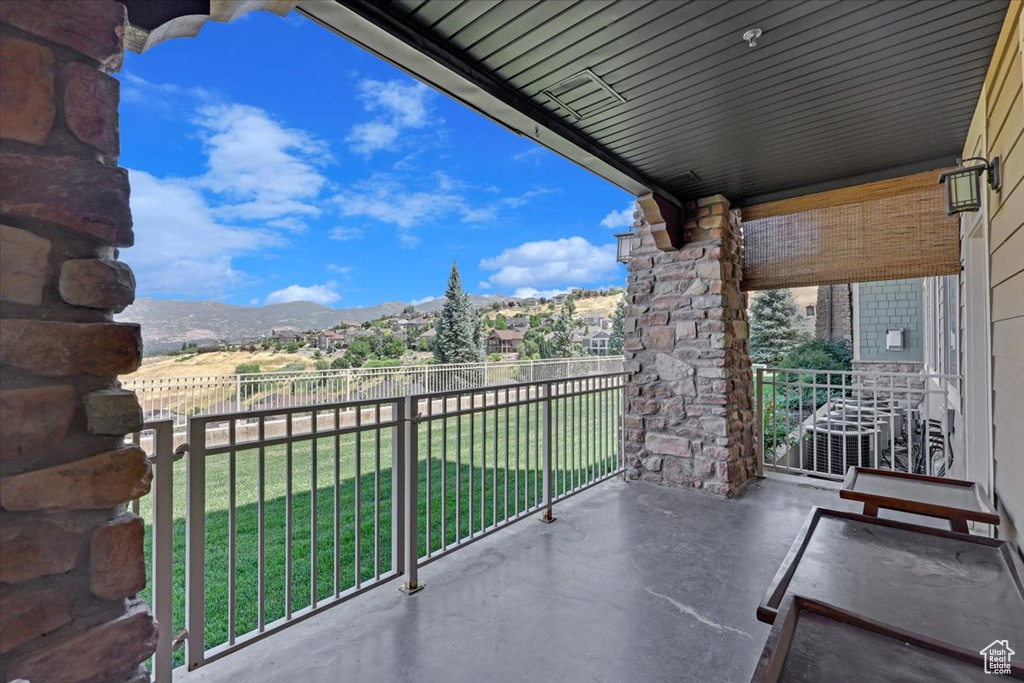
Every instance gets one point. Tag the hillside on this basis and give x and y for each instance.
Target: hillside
(166, 325)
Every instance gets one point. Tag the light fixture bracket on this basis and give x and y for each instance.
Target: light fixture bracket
(751, 36)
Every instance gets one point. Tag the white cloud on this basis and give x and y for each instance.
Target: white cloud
(398, 106)
(181, 247)
(406, 205)
(531, 293)
(162, 96)
(426, 299)
(619, 219)
(571, 260)
(262, 181)
(532, 155)
(265, 170)
(343, 234)
(409, 202)
(340, 270)
(319, 294)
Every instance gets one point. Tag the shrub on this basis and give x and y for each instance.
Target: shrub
(382, 363)
(246, 368)
(321, 364)
(339, 363)
(819, 354)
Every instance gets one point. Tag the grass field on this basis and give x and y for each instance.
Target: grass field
(475, 481)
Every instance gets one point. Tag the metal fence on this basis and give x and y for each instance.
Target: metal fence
(178, 398)
(292, 510)
(823, 422)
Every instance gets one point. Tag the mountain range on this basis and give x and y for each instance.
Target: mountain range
(168, 324)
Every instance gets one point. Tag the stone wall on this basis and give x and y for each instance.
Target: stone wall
(71, 558)
(834, 314)
(689, 407)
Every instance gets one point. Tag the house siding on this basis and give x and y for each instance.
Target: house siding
(887, 305)
(999, 131)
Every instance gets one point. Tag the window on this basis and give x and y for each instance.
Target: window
(942, 306)
(810, 311)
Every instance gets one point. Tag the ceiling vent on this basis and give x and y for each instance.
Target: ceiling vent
(583, 94)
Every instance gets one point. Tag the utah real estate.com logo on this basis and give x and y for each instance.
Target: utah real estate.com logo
(997, 657)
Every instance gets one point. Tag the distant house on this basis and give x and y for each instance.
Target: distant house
(408, 325)
(328, 340)
(357, 333)
(286, 336)
(519, 322)
(430, 336)
(504, 341)
(596, 342)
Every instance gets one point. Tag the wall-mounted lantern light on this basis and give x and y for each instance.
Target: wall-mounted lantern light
(627, 240)
(963, 184)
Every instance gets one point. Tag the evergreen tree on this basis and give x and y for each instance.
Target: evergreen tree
(562, 345)
(458, 337)
(775, 329)
(618, 328)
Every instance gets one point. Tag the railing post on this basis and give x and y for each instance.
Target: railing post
(759, 425)
(238, 393)
(398, 463)
(410, 496)
(546, 448)
(195, 545)
(163, 543)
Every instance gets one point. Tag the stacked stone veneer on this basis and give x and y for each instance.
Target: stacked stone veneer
(689, 405)
(71, 558)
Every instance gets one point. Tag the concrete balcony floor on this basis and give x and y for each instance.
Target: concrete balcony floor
(633, 582)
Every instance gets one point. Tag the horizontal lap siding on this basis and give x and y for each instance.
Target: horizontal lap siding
(1005, 128)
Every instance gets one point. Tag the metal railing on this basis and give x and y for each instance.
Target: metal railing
(293, 510)
(823, 422)
(158, 439)
(179, 398)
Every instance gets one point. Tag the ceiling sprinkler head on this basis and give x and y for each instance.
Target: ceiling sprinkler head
(751, 36)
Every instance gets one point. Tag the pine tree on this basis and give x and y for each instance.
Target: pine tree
(562, 345)
(618, 337)
(457, 335)
(775, 329)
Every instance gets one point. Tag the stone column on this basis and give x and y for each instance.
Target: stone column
(689, 409)
(71, 557)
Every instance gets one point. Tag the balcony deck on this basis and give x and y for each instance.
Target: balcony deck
(633, 582)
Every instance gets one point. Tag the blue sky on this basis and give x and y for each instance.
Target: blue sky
(271, 160)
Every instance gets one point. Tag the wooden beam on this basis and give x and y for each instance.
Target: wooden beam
(665, 219)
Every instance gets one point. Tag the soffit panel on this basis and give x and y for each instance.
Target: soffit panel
(834, 90)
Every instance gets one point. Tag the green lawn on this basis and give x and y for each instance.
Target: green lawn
(473, 493)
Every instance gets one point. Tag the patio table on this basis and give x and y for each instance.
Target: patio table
(955, 588)
(814, 641)
(955, 500)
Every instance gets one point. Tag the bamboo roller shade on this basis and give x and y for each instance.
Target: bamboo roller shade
(887, 230)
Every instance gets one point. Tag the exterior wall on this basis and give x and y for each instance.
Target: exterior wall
(992, 242)
(689, 397)
(887, 305)
(1004, 137)
(833, 320)
(71, 558)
